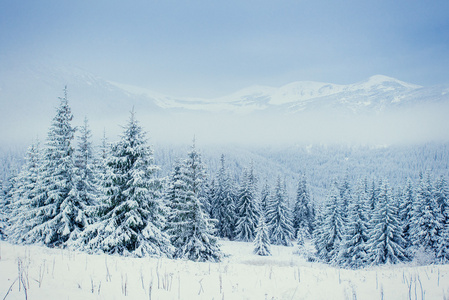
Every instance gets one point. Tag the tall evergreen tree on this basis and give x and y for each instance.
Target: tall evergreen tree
(442, 198)
(303, 213)
(353, 249)
(427, 218)
(441, 194)
(59, 214)
(345, 196)
(406, 214)
(386, 235)
(23, 200)
(190, 228)
(132, 217)
(373, 193)
(330, 233)
(278, 217)
(87, 176)
(224, 203)
(262, 240)
(247, 208)
(264, 198)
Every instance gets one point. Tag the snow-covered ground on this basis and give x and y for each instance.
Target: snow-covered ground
(44, 273)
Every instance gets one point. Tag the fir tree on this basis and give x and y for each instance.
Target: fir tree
(330, 232)
(441, 194)
(262, 240)
(427, 219)
(132, 217)
(224, 203)
(303, 213)
(386, 235)
(3, 213)
(373, 193)
(87, 176)
(353, 250)
(264, 198)
(58, 214)
(345, 197)
(442, 199)
(278, 217)
(190, 228)
(406, 214)
(26, 185)
(247, 208)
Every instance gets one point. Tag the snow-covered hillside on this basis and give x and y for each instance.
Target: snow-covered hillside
(43, 273)
(376, 93)
(377, 110)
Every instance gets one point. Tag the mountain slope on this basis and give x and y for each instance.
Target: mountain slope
(299, 111)
(377, 93)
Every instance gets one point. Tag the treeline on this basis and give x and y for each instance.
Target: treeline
(113, 201)
(372, 224)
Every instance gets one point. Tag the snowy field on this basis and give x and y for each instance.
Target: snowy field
(41, 273)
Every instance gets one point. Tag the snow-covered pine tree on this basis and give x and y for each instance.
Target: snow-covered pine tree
(353, 250)
(26, 185)
(373, 193)
(386, 236)
(132, 217)
(330, 227)
(264, 198)
(102, 169)
(345, 196)
(174, 195)
(278, 217)
(303, 213)
(224, 203)
(406, 206)
(262, 240)
(208, 196)
(427, 218)
(247, 208)
(86, 171)
(442, 198)
(190, 228)
(59, 215)
(3, 213)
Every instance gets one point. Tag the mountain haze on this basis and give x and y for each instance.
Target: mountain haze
(379, 109)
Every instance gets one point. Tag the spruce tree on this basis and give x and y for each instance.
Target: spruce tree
(3, 213)
(58, 214)
(23, 200)
(406, 215)
(190, 228)
(224, 203)
(331, 227)
(132, 215)
(427, 219)
(262, 240)
(247, 208)
(386, 235)
(442, 199)
(353, 249)
(264, 198)
(303, 213)
(278, 217)
(86, 171)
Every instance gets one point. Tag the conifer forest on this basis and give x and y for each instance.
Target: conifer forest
(113, 198)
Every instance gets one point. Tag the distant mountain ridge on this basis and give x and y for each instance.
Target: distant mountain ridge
(29, 93)
(375, 94)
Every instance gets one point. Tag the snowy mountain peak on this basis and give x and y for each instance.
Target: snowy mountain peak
(385, 81)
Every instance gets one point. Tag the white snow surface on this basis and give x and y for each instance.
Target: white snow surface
(44, 273)
(256, 98)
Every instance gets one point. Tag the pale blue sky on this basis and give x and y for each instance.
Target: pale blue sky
(212, 48)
